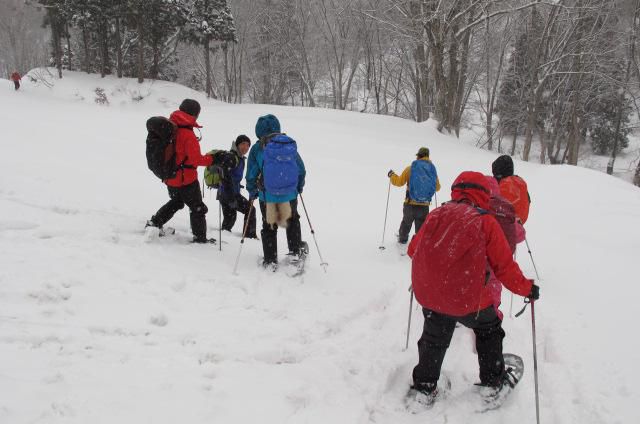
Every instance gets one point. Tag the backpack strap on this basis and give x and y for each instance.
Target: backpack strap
(264, 140)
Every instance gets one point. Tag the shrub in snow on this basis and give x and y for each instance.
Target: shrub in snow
(101, 96)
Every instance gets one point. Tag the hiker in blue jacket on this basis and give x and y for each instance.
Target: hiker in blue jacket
(229, 193)
(275, 175)
(422, 182)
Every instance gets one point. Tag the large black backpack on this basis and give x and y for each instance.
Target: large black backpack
(161, 147)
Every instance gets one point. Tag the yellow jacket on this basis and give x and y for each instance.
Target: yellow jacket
(403, 179)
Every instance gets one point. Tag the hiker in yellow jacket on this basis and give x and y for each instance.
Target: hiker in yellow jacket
(422, 182)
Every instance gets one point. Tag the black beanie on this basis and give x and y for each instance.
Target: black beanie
(502, 167)
(190, 106)
(242, 139)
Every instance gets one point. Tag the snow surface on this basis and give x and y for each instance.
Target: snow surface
(97, 326)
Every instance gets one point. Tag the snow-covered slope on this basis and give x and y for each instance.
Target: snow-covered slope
(97, 326)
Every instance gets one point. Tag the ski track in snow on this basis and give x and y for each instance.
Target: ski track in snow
(98, 326)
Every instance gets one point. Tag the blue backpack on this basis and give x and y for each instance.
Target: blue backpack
(280, 167)
(422, 182)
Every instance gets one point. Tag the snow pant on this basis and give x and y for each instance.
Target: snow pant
(411, 214)
(269, 233)
(436, 336)
(192, 197)
(230, 209)
(16, 84)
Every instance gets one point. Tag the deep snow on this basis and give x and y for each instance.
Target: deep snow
(97, 326)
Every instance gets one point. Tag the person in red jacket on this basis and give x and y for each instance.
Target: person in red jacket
(512, 187)
(449, 255)
(16, 78)
(185, 188)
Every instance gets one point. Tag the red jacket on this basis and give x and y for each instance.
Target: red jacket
(451, 251)
(15, 76)
(187, 150)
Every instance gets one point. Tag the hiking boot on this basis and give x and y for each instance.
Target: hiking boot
(270, 265)
(425, 394)
(493, 394)
(203, 240)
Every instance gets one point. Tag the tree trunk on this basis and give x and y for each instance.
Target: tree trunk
(513, 142)
(140, 28)
(636, 177)
(118, 49)
(207, 66)
(156, 59)
(85, 42)
(104, 49)
(543, 145)
(69, 53)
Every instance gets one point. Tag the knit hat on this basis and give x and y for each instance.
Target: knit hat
(423, 152)
(242, 139)
(267, 124)
(190, 106)
(502, 167)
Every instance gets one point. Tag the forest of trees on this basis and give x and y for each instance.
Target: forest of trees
(557, 75)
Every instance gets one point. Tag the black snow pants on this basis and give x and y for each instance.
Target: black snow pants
(269, 233)
(230, 213)
(192, 197)
(436, 336)
(411, 214)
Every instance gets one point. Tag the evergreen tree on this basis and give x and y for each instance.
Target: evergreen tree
(210, 21)
(56, 18)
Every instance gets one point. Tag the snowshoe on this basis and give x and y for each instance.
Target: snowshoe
(296, 261)
(494, 397)
(420, 399)
(153, 232)
(203, 240)
(402, 248)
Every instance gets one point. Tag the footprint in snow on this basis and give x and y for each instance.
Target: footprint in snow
(159, 320)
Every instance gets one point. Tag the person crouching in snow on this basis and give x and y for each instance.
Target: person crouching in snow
(276, 175)
(449, 258)
(422, 182)
(230, 197)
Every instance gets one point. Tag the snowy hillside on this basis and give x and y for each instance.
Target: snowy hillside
(97, 326)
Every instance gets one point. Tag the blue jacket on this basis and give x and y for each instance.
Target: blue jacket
(254, 170)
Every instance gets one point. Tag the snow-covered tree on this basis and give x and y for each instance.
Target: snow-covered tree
(208, 22)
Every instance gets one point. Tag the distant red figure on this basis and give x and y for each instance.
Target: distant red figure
(16, 78)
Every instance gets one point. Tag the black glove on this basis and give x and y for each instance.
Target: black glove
(390, 173)
(535, 292)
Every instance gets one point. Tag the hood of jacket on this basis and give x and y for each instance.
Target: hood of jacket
(183, 119)
(471, 187)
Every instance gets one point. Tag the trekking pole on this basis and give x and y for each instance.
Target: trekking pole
(385, 217)
(313, 233)
(436, 196)
(535, 359)
(532, 261)
(511, 304)
(220, 223)
(244, 234)
(406, 346)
